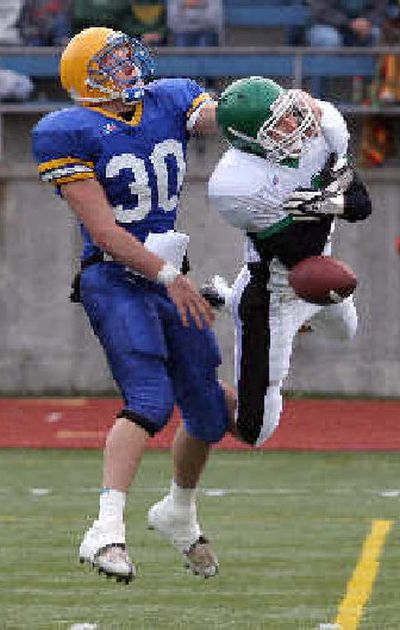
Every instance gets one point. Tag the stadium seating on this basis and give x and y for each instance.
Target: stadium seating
(296, 63)
(265, 13)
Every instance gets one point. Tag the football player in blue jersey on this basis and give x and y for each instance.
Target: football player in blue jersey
(118, 158)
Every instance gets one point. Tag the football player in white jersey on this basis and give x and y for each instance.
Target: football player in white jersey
(284, 181)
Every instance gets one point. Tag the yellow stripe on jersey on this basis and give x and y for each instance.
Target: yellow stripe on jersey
(46, 166)
(72, 178)
(198, 101)
(76, 170)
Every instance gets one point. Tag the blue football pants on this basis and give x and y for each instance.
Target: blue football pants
(154, 359)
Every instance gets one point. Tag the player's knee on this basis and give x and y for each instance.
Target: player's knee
(145, 423)
(272, 413)
(211, 434)
(270, 424)
(210, 421)
(149, 398)
(257, 428)
(151, 414)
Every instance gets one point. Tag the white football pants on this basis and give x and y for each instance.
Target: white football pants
(263, 347)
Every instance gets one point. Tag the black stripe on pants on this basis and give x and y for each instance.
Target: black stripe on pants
(254, 364)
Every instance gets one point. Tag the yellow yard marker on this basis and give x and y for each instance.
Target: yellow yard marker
(57, 402)
(360, 586)
(67, 435)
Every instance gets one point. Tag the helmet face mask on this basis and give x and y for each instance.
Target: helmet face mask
(258, 116)
(100, 65)
(120, 67)
(282, 139)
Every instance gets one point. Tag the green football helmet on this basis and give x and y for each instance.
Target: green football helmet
(250, 113)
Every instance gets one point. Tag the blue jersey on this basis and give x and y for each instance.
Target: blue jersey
(140, 163)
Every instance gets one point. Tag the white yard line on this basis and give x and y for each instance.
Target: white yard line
(219, 492)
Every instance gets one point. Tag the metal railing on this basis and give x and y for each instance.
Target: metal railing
(294, 64)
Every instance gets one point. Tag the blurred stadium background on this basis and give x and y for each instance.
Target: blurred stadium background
(46, 346)
(289, 526)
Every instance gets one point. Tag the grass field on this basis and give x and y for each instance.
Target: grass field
(288, 529)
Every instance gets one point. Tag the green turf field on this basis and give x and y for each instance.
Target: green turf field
(288, 529)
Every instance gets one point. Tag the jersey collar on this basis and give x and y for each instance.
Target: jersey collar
(134, 122)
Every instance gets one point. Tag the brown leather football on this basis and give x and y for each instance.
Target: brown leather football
(322, 280)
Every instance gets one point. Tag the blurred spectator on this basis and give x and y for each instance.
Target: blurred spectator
(338, 23)
(46, 22)
(195, 22)
(346, 22)
(14, 86)
(144, 19)
(387, 89)
(110, 13)
(379, 141)
(294, 34)
(149, 22)
(9, 15)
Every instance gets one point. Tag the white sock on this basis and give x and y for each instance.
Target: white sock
(112, 505)
(182, 497)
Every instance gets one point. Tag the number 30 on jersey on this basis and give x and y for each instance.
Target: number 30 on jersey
(143, 182)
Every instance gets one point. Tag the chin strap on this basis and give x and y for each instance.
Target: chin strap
(132, 95)
(127, 96)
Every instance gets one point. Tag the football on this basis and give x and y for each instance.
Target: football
(322, 280)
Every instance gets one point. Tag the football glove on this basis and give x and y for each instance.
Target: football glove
(314, 202)
(336, 177)
(337, 174)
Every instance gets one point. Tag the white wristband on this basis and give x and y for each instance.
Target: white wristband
(167, 274)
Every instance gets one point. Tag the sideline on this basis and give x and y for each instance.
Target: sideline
(306, 424)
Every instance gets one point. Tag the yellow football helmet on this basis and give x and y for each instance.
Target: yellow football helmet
(100, 64)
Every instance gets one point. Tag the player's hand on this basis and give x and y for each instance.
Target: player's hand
(341, 175)
(188, 301)
(314, 202)
(336, 174)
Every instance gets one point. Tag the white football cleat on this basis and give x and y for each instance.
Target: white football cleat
(181, 527)
(104, 548)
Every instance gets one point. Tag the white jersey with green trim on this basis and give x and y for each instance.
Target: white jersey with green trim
(249, 191)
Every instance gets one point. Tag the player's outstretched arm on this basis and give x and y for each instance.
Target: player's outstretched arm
(88, 201)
